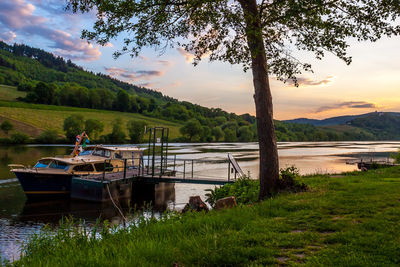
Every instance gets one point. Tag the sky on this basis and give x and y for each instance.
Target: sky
(370, 83)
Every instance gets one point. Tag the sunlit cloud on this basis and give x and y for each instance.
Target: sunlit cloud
(8, 36)
(165, 63)
(188, 56)
(19, 17)
(174, 84)
(346, 105)
(147, 85)
(302, 81)
(134, 75)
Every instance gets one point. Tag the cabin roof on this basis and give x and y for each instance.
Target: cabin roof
(116, 148)
(78, 159)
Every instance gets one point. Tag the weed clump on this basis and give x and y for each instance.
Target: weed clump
(245, 190)
(288, 181)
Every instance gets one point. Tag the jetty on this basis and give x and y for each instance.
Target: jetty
(372, 163)
(154, 168)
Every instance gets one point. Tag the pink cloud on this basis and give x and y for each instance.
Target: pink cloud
(134, 75)
(8, 36)
(188, 56)
(18, 15)
(309, 82)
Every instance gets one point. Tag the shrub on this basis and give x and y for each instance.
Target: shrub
(136, 130)
(288, 180)
(19, 138)
(117, 136)
(245, 190)
(396, 157)
(47, 137)
(6, 126)
(73, 125)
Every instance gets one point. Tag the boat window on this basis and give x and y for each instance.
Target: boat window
(43, 163)
(84, 168)
(117, 156)
(85, 152)
(59, 165)
(98, 152)
(102, 153)
(100, 167)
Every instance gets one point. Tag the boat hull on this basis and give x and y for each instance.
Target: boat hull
(43, 184)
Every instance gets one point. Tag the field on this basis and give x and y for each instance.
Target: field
(10, 93)
(34, 118)
(343, 220)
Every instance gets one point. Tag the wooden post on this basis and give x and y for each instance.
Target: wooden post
(229, 170)
(166, 149)
(124, 169)
(148, 153)
(104, 171)
(162, 152)
(153, 160)
(184, 168)
(192, 168)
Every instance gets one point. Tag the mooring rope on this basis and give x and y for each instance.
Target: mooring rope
(112, 200)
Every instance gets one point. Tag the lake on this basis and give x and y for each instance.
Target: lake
(20, 218)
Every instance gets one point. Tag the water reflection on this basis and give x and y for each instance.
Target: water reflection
(24, 217)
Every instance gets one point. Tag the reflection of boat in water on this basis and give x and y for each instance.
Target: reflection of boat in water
(51, 211)
(53, 175)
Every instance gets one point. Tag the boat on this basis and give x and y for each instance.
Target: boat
(53, 175)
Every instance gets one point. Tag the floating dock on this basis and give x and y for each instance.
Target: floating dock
(153, 169)
(121, 184)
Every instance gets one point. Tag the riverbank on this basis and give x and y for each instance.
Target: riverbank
(349, 219)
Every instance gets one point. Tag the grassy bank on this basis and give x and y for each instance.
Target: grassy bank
(32, 119)
(349, 220)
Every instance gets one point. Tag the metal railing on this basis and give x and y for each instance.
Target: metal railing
(145, 166)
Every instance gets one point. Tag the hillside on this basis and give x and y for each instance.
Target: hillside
(339, 120)
(369, 126)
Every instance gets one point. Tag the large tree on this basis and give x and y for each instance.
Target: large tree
(260, 35)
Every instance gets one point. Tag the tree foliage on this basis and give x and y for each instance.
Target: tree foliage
(73, 126)
(136, 130)
(218, 28)
(117, 136)
(191, 129)
(6, 126)
(93, 128)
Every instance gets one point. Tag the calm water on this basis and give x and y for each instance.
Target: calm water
(19, 218)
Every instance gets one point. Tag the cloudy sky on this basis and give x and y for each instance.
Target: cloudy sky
(371, 82)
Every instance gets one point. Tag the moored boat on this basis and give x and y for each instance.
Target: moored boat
(53, 175)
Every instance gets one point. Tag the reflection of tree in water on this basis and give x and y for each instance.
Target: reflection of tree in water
(5, 159)
(19, 149)
(54, 150)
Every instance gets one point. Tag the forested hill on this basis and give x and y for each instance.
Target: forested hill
(59, 70)
(339, 120)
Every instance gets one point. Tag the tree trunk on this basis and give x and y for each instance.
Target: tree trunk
(269, 165)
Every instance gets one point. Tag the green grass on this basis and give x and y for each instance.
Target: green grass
(352, 220)
(42, 117)
(10, 93)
